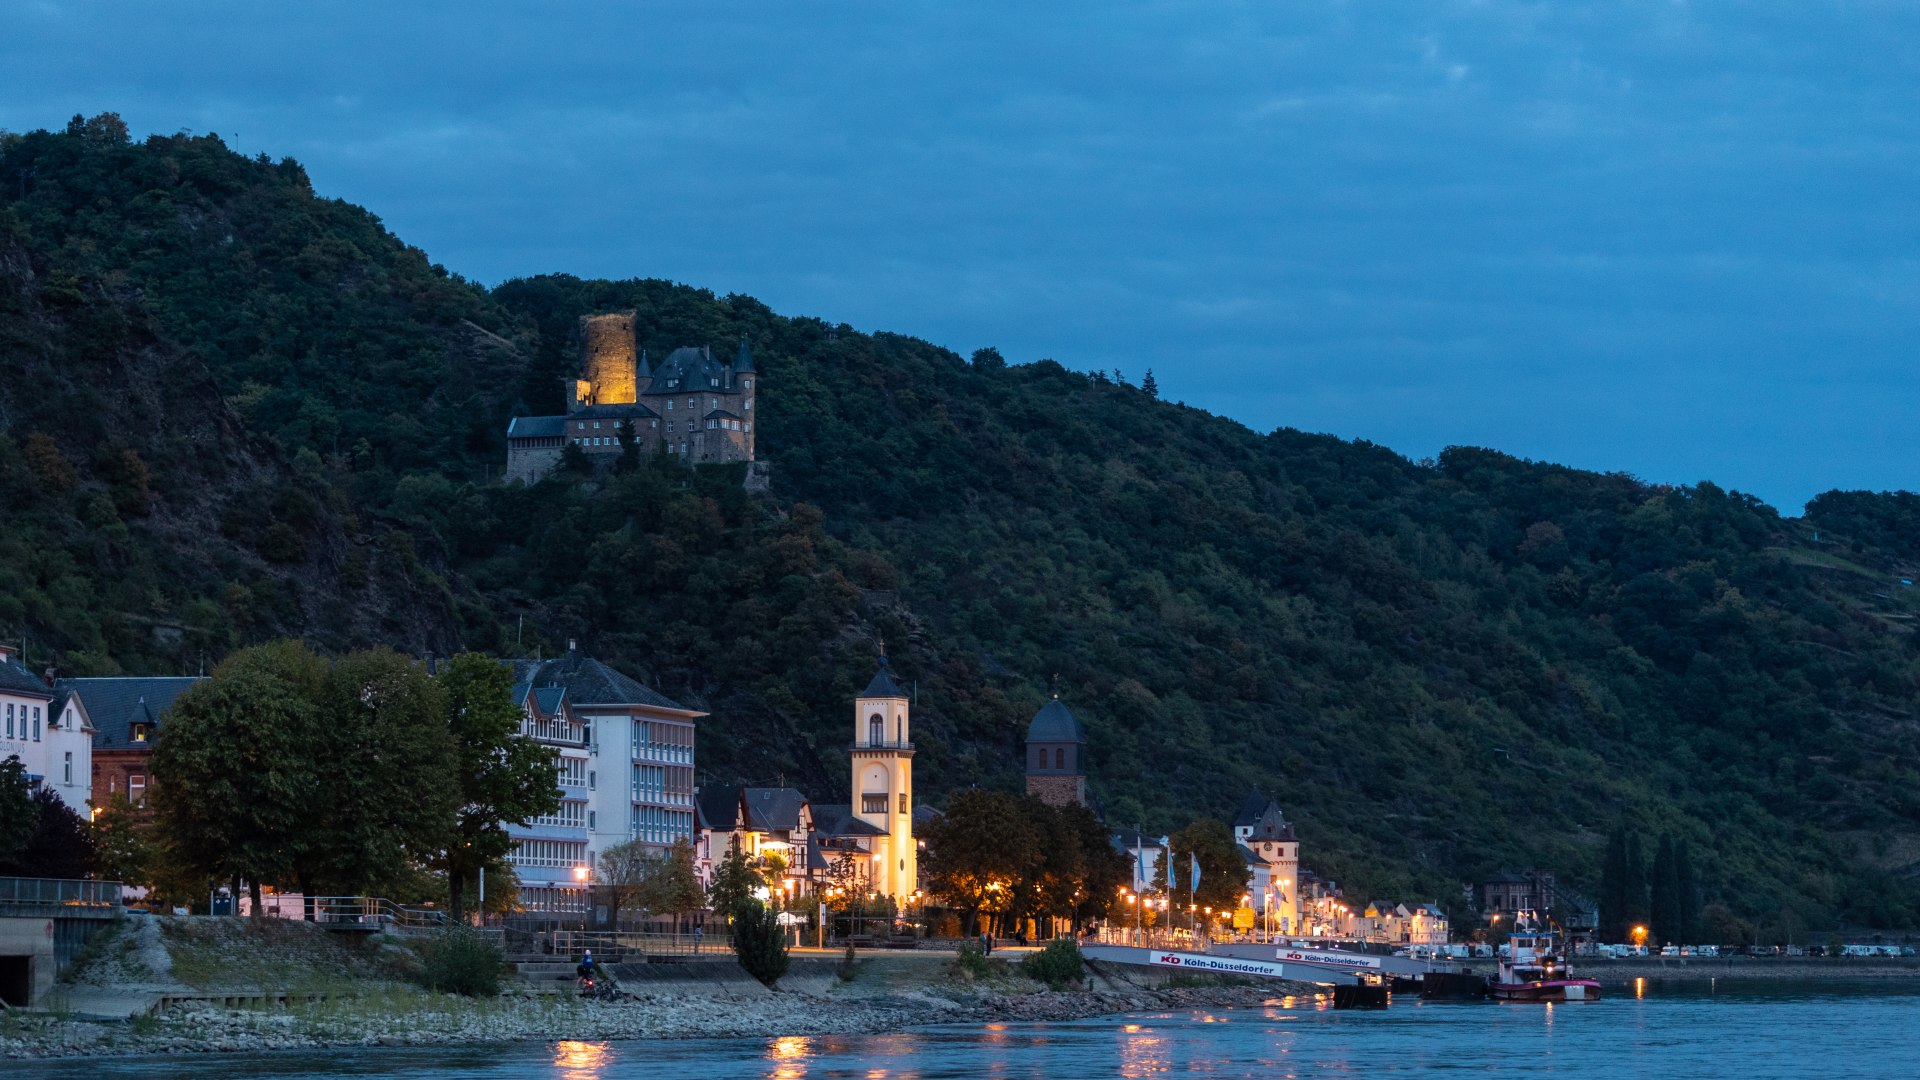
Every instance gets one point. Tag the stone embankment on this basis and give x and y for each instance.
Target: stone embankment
(705, 1000)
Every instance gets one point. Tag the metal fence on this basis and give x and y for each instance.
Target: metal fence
(371, 911)
(612, 946)
(27, 892)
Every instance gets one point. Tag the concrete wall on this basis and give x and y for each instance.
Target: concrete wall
(32, 939)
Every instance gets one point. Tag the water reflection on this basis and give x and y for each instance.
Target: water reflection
(580, 1060)
(789, 1055)
(1143, 1052)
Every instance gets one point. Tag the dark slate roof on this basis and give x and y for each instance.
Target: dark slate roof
(16, 679)
(117, 704)
(536, 427)
(774, 809)
(836, 819)
(743, 361)
(1272, 825)
(1128, 839)
(1251, 807)
(589, 682)
(1055, 723)
(689, 370)
(882, 684)
(1247, 856)
(613, 411)
(924, 814)
(645, 370)
(719, 807)
(721, 414)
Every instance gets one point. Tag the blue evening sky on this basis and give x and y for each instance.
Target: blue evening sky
(1675, 239)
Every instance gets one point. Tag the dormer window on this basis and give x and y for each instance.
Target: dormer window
(139, 733)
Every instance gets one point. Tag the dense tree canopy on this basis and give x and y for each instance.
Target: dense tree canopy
(244, 411)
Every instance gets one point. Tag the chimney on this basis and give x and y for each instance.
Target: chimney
(6, 652)
(48, 675)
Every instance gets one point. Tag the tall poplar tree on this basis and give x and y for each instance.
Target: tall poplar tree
(1664, 914)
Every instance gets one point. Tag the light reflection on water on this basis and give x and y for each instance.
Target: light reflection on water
(1640, 1029)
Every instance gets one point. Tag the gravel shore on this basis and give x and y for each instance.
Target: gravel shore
(404, 1017)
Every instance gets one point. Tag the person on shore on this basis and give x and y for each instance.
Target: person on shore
(698, 933)
(986, 943)
(587, 967)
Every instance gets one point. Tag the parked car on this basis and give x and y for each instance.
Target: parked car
(1816, 950)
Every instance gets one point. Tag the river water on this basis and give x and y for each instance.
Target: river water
(1747, 1030)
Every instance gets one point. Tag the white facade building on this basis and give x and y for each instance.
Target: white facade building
(626, 773)
(55, 746)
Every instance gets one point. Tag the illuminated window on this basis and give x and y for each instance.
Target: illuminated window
(873, 804)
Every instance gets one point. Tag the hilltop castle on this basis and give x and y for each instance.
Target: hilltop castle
(691, 405)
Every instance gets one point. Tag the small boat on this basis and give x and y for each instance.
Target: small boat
(1533, 970)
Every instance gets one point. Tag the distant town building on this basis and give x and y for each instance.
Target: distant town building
(1272, 854)
(865, 845)
(124, 715)
(691, 405)
(625, 754)
(1056, 756)
(54, 745)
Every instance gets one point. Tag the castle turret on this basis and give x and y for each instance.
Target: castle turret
(743, 361)
(609, 368)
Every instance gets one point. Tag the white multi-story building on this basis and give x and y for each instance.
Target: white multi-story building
(626, 773)
(55, 746)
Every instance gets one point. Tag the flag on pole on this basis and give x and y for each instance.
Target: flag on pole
(1194, 884)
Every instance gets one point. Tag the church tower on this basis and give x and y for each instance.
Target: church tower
(1056, 745)
(883, 782)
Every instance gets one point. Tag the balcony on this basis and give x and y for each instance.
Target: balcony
(884, 744)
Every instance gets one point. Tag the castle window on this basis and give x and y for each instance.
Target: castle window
(903, 809)
(580, 425)
(873, 804)
(749, 429)
(748, 383)
(1040, 758)
(654, 424)
(749, 404)
(710, 425)
(876, 730)
(1060, 758)
(669, 404)
(596, 425)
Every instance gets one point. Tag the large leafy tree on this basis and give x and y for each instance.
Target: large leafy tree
(18, 817)
(387, 796)
(60, 845)
(237, 769)
(125, 843)
(502, 776)
(1223, 873)
(734, 880)
(979, 851)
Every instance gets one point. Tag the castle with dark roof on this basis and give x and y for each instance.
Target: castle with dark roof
(691, 404)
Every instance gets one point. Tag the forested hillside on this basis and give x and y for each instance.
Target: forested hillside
(234, 410)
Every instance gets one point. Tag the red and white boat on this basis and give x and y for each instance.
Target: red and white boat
(1533, 970)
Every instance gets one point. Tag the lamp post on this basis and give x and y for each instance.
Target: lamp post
(581, 874)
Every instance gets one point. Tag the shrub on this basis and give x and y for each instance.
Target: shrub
(1058, 965)
(971, 962)
(463, 961)
(760, 941)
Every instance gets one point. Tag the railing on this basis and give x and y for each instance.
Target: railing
(612, 947)
(67, 893)
(368, 911)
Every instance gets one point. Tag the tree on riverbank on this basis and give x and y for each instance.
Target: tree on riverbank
(504, 778)
(760, 942)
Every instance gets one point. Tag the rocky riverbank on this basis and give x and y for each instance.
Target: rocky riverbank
(885, 997)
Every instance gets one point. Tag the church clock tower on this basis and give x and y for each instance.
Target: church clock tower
(883, 782)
